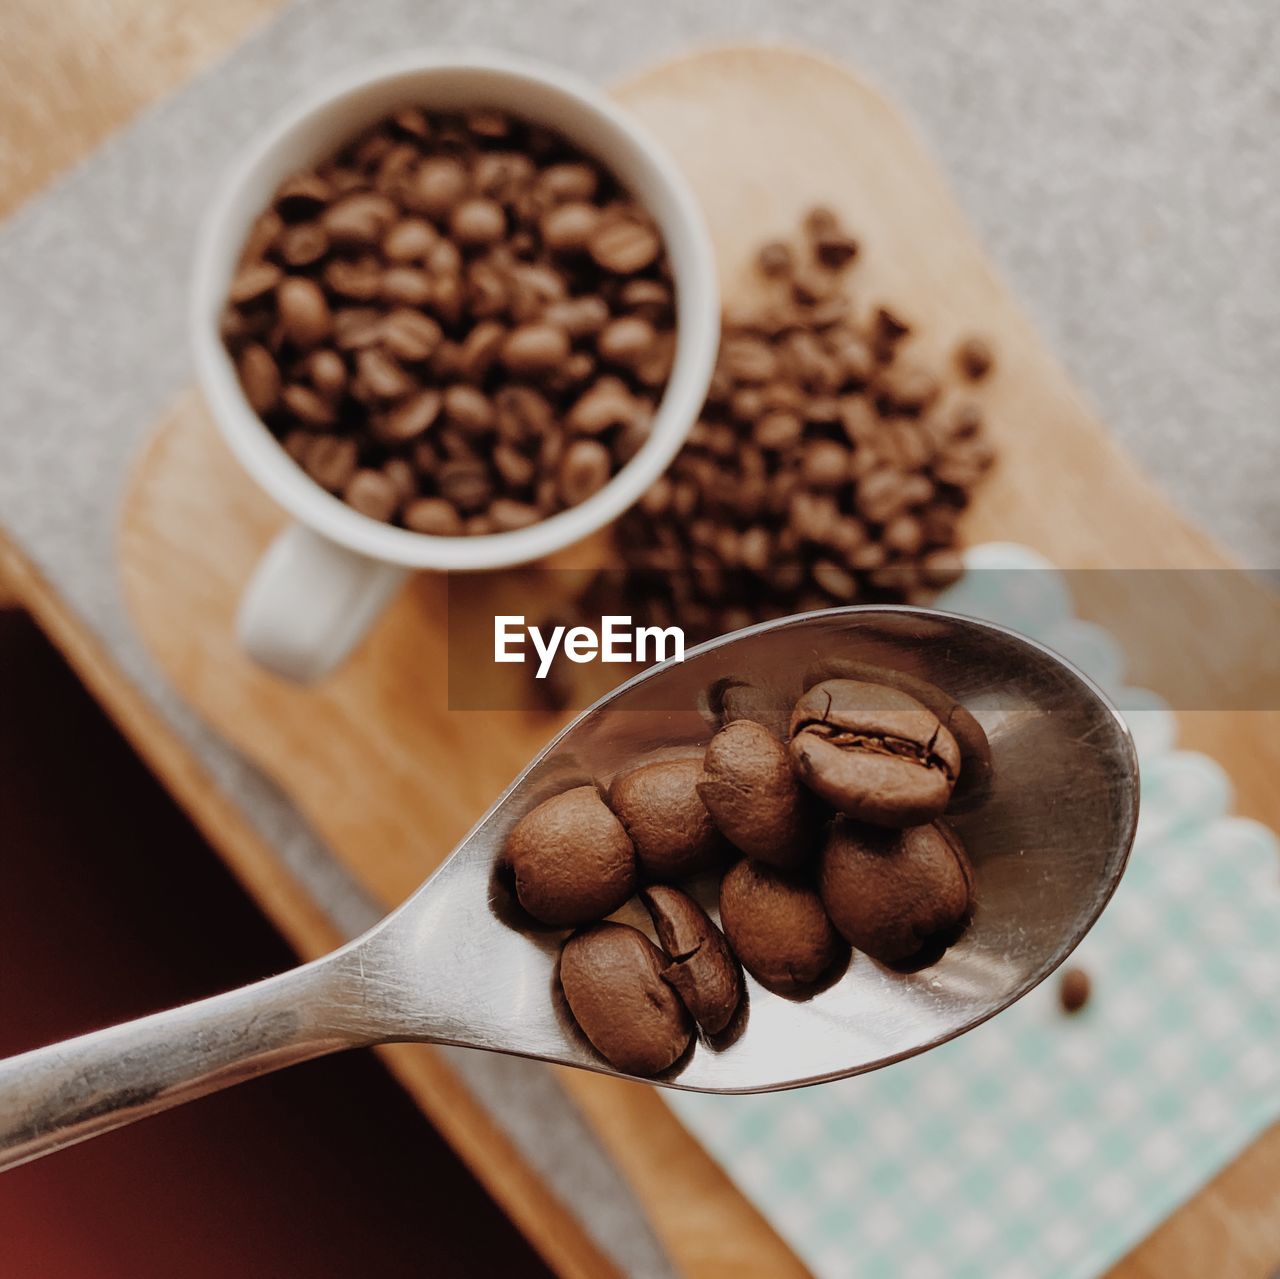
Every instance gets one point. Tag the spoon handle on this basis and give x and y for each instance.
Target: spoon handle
(55, 1096)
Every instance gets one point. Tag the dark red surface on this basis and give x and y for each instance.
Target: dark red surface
(112, 906)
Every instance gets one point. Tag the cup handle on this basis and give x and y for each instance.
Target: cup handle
(310, 602)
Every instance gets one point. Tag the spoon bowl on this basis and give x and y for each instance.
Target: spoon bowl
(459, 963)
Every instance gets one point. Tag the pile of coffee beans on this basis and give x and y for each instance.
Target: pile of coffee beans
(460, 323)
(827, 833)
(829, 466)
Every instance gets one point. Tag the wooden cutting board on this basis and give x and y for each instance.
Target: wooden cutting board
(390, 779)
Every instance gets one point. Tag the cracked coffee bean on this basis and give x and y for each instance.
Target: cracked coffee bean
(893, 892)
(776, 924)
(572, 859)
(466, 298)
(753, 796)
(659, 806)
(611, 975)
(873, 753)
(702, 968)
(976, 767)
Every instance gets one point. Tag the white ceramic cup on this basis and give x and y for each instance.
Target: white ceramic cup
(326, 578)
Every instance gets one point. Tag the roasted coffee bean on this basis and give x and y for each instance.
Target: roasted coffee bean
(409, 240)
(308, 407)
(304, 244)
(569, 227)
(406, 286)
(410, 418)
(1074, 989)
(570, 181)
(627, 340)
(379, 372)
(572, 859)
(608, 403)
(469, 408)
(775, 258)
(873, 752)
(328, 372)
(611, 976)
(583, 471)
(754, 798)
(304, 312)
(331, 461)
(776, 924)
(624, 244)
(974, 358)
(669, 825)
(358, 220)
(701, 967)
(356, 327)
(466, 484)
(834, 249)
(819, 219)
(253, 282)
(976, 764)
(403, 477)
(478, 222)
(259, 378)
(534, 348)
(410, 335)
(434, 516)
(581, 317)
(892, 893)
(302, 196)
(508, 515)
(406, 290)
(357, 279)
(438, 186)
(372, 493)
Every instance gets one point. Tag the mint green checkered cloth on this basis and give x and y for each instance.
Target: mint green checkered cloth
(1041, 1145)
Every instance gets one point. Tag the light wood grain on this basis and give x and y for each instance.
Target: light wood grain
(390, 779)
(74, 70)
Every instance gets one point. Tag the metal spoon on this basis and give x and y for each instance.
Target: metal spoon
(1049, 844)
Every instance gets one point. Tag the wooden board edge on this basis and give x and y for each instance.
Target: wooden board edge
(556, 1235)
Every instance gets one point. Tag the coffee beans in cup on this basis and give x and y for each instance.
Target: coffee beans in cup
(459, 323)
(836, 839)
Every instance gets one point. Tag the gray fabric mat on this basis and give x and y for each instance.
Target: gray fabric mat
(1122, 173)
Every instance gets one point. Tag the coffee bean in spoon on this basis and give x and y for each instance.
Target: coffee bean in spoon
(976, 765)
(754, 798)
(874, 753)
(572, 860)
(776, 924)
(892, 893)
(667, 821)
(611, 975)
(702, 968)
